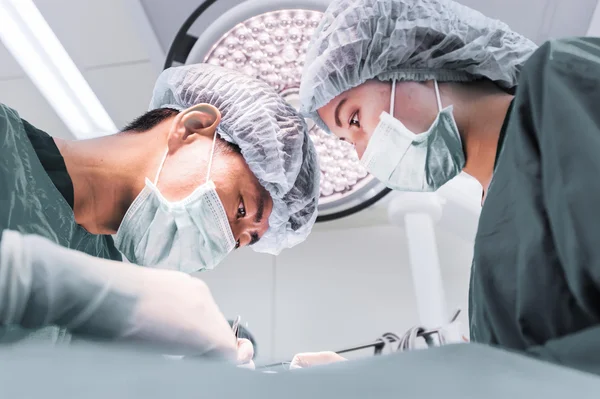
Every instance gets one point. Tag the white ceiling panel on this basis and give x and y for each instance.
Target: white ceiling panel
(94, 33)
(341, 289)
(167, 17)
(567, 20)
(9, 68)
(24, 97)
(125, 90)
(525, 17)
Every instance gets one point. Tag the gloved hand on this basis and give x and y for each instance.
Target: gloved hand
(42, 284)
(304, 360)
(245, 354)
(452, 333)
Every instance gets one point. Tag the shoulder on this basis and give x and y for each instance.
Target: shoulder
(10, 122)
(566, 58)
(7, 113)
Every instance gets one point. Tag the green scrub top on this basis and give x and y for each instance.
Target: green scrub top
(535, 279)
(36, 197)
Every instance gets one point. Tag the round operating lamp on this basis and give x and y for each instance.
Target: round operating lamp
(268, 40)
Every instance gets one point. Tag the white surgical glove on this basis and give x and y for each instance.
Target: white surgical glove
(304, 360)
(452, 333)
(43, 284)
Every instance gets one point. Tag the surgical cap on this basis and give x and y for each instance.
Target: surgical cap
(415, 40)
(271, 134)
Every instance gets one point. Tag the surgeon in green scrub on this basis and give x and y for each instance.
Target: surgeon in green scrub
(220, 161)
(426, 89)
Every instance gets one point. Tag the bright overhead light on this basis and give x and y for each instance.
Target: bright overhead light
(27, 36)
(272, 47)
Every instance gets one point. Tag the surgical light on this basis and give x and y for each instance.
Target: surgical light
(269, 42)
(272, 47)
(30, 40)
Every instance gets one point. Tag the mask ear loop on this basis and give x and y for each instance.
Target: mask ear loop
(164, 158)
(437, 95)
(212, 153)
(393, 97)
(160, 167)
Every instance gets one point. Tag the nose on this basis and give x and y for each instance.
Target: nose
(359, 140)
(360, 147)
(248, 231)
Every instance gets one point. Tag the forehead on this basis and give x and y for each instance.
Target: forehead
(327, 112)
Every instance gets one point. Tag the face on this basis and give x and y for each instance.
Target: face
(247, 204)
(353, 115)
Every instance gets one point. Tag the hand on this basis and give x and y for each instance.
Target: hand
(452, 333)
(52, 285)
(178, 310)
(245, 353)
(304, 360)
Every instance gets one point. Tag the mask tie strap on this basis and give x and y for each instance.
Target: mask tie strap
(212, 153)
(437, 95)
(162, 163)
(393, 97)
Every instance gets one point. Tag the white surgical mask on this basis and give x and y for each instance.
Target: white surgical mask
(406, 161)
(188, 235)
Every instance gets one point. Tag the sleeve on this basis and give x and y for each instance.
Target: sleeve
(42, 283)
(560, 87)
(52, 285)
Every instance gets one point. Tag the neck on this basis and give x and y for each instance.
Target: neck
(481, 126)
(107, 174)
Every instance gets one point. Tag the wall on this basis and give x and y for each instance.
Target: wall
(340, 288)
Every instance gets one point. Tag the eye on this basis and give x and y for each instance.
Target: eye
(241, 211)
(354, 120)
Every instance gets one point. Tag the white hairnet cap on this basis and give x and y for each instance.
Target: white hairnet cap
(271, 134)
(414, 40)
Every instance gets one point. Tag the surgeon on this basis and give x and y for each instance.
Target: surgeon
(219, 162)
(426, 89)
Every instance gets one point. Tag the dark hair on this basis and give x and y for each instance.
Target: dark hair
(150, 119)
(153, 118)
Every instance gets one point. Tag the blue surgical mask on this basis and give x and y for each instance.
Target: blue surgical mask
(406, 161)
(187, 235)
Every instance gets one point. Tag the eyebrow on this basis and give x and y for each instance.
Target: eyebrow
(254, 238)
(337, 113)
(260, 211)
(260, 208)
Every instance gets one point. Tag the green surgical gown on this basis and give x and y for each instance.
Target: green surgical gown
(35, 198)
(535, 281)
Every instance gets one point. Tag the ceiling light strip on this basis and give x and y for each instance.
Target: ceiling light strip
(33, 44)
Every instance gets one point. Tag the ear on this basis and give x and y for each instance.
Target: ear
(201, 119)
(193, 123)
